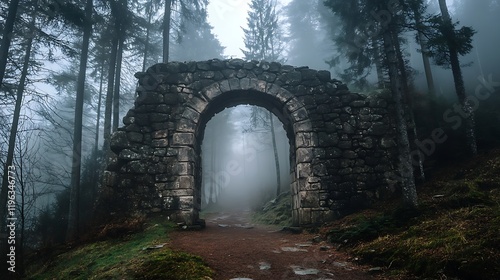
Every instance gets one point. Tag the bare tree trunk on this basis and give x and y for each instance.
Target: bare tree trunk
(146, 44)
(6, 39)
(408, 98)
(405, 166)
(116, 92)
(109, 98)
(23, 197)
(98, 117)
(449, 34)
(276, 157)
(166, 29)
(12, 141)
(378, 64)
(213, 182)
(427, 65)
(425, 53)
(74, 202)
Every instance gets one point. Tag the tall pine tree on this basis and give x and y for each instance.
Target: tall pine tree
(263, 36)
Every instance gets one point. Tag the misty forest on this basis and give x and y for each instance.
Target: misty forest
(69, 76)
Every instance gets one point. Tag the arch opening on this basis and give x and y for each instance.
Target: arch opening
(241, 161)
(293, 115)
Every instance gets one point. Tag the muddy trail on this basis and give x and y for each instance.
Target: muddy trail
(237, 249)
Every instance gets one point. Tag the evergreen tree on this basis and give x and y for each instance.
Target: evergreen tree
(263, 37)
(196, 34)
(186, 9)
(308, 33)
(446, 44)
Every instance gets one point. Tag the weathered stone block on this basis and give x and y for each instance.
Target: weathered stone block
(319, 169)
(305, 216)
(284, 95)
(304, 139)
(127, 154)
(204, 75)
(186, 154)
(234, 84)
(159, 143)
(178, 192)
(274, 67)
(134, 136)
(171, 203)
(302, 127)
(119, 141)
(235, 63)
(300, 115)
(328, 140)
(197, 104)
(217, 64)
(224, 86)
(204, 66)
(191, 114)
(268, 77)
(137, 167)
(158, 117)
(242, 73)
(309, 199)
(186, 125)
(160, 134)
(183, 168)
(312, 186)
(186, 182)
(183, 139)
(303, 170)
(261, 86)
(304, 155)
(150, 98)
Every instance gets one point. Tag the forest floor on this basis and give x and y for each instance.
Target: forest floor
(454, 234)
(236, 249)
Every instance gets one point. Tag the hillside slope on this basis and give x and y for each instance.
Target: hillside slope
(454, 233)
(139, 255)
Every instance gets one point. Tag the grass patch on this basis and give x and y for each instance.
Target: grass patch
(455, 233)
(276, 212)
(122, 258)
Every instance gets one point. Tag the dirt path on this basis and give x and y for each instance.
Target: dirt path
(235, 249)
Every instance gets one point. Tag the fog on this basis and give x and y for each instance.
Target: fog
(238, 162)
(42, 84)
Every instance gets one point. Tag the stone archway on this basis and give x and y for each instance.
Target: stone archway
(282, 103)
(342, 142)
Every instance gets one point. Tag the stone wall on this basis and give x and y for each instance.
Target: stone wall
(342, 143)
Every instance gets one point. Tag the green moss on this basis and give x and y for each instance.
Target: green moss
(171, 265)
(277, 212)
(122, 258)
